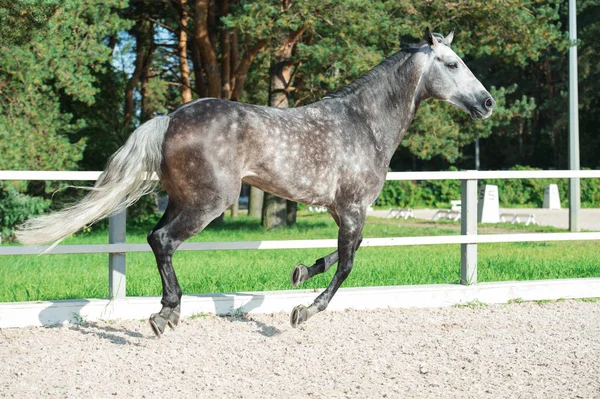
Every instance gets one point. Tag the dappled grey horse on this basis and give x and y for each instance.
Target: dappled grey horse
(333, 153)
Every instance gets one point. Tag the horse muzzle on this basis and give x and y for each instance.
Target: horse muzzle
(482, 108)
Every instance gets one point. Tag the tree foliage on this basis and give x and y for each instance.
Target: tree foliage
(55, 54)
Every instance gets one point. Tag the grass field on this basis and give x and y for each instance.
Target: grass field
(30, 278)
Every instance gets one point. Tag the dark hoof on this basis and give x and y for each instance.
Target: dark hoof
(158, 323)
(173, 318)
(299, 275)
(166, 316)
(299, 315)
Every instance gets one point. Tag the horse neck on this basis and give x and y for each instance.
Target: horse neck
(387, 97)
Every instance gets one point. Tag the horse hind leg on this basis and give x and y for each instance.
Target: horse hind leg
(158, 239)
(176, 225)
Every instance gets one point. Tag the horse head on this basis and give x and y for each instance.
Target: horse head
(448, 78)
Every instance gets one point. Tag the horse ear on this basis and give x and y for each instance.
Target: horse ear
(431, 40)
(450, 37)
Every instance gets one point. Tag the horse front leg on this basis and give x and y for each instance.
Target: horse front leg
(349, 238)
(302, 273)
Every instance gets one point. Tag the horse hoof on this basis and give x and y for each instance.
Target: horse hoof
(299, 315)
(158, 323)
(299, 275)
(173, 318)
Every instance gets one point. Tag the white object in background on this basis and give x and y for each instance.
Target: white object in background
(488, 206)
(551, 197)
(455, 205)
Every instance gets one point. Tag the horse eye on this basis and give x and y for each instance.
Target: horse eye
(452, 65)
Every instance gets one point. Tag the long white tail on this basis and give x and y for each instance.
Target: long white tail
(127, 176)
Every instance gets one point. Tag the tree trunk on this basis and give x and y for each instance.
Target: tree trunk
(241, 72)
(235, 209)
(274, 212)
(275, 209)
(292, 211)
(199, 82)
(255, 202)
(521, 146)
(219, 219)
(234, 60)
(225, 55)
(207, 52)
(145, 111)
(144, 43)
(186, 90)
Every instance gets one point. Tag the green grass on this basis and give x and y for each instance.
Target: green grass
(30, 278)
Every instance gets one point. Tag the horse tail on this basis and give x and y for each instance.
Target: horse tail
(127, 177)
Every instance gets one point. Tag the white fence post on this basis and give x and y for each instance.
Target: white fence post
(468, 252)
(116, 261)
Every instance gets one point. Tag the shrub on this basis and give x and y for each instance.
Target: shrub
(15, 207)
(512, 192)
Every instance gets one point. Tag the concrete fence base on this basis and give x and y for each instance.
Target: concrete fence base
(46, 313)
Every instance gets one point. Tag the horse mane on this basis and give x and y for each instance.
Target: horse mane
(440, 38)
(379, 71)
(374, 75)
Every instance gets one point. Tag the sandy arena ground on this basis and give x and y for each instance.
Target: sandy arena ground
(520, 350)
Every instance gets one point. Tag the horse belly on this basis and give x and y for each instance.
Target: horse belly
(308, 187)
(292, 164)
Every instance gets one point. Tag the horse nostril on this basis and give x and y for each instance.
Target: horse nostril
(489, 103)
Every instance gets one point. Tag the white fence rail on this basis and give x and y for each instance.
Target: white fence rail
(468, 238)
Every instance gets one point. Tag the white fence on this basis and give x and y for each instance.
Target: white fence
(117, 248)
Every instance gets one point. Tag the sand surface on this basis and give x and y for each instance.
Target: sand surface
(522, 350)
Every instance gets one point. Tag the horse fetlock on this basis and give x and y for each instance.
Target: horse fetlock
(299, 275)
(320, 305)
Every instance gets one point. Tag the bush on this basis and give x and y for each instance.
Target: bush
(15, 207)
(513, 192)
(590, 193)
(399, 193)
(144, 210)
